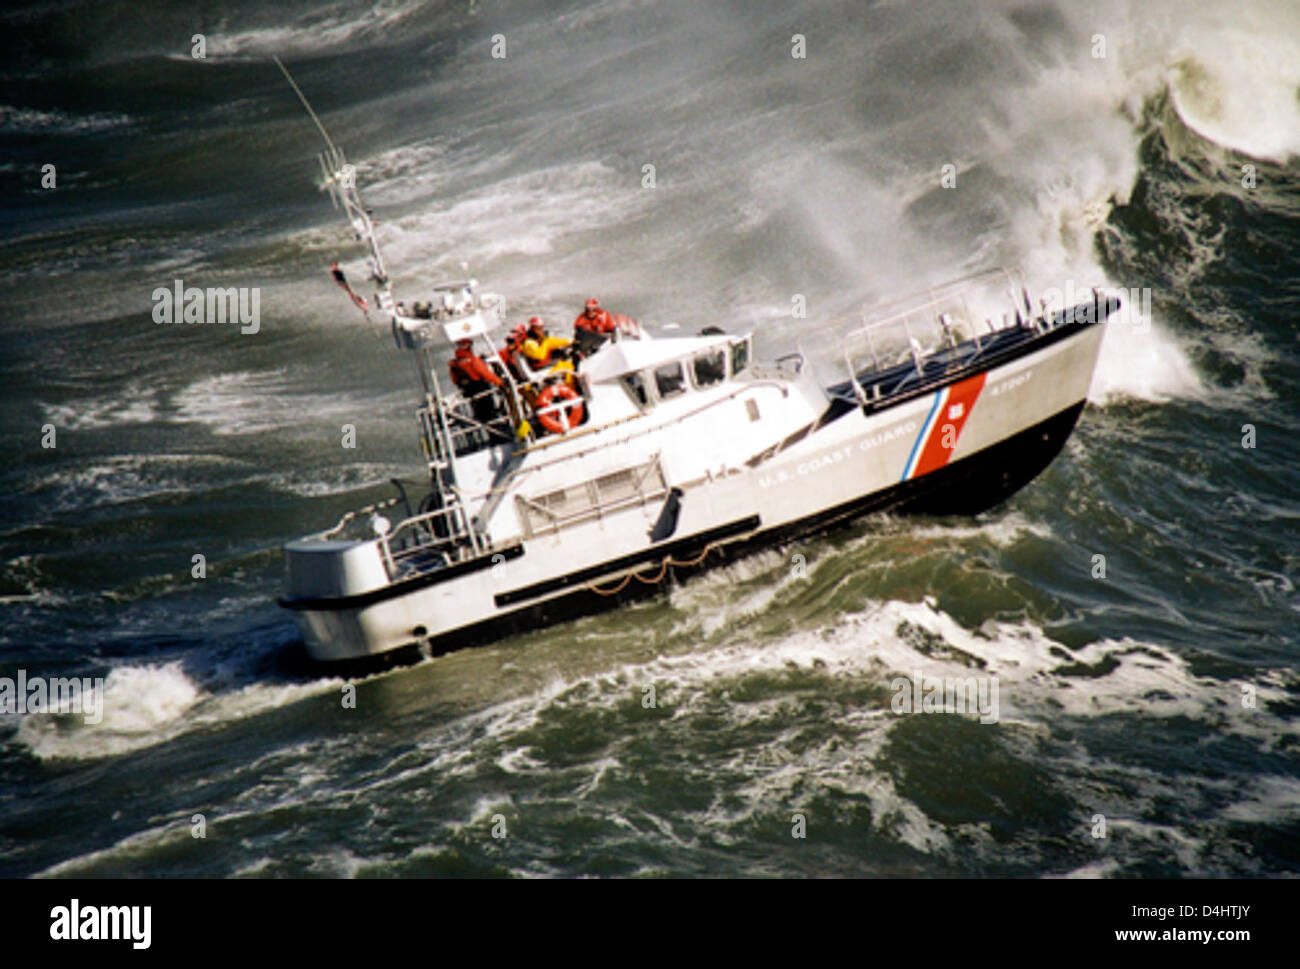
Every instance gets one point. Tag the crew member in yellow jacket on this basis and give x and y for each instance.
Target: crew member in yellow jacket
(540, 349)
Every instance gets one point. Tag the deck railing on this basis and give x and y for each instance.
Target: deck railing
(428, 541)
(417, 543)
(594, 498)
(966, 311)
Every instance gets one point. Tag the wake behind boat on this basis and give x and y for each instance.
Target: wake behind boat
(567, 488)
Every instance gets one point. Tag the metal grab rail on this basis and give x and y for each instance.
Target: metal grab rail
(415, 537)
(465, 425)
(597, 511)
(942, 316)
(899, 311)
(501, 427)
(597, 506)
(938, 295)
(430, 551)
(353, 516)
(913, 374)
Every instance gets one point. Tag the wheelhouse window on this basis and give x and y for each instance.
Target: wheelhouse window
(670, 380)
(636, 387)
(709, 368)
(739, 357)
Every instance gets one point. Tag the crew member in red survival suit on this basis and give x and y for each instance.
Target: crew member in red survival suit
(471, 374)
(509, 353)
(592, 327)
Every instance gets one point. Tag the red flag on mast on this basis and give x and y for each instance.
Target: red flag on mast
(342, 280)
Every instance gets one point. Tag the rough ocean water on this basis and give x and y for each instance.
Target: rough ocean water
(1170, 163)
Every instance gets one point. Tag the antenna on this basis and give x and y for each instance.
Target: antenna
(303, 98)
(341, 183)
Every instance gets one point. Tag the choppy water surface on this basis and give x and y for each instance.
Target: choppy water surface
(771, 683)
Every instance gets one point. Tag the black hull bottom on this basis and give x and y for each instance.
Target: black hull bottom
(966, 487)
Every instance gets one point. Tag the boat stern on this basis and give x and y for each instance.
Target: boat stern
(324, 573)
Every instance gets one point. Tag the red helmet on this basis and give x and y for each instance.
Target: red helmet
(519, 331)
(536, 323)
(593, 304)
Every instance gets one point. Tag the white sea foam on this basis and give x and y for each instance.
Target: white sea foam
(872, 645)
(318, 31)
(131, 477)
(1069, 135)
(415, 171)
(136, 404)
(1003, 531)
(721, 597)
(1104, 868)
(1071, 198)
(1271, 799)
(138, 703)
(1143, 363)
(31, 120)
(1169, 840)
(1040, 679)
(254, 869)
(339, 480)
(152, 704)
(253, 402)
(1235, 82)
(524, 214)
(1041, 683)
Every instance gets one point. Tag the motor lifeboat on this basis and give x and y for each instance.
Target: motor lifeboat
(648, 460)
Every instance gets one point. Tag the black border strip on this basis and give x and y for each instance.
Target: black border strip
(362, 599)
(698, 540)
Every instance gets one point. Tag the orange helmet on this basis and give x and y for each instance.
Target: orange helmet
(593, 304)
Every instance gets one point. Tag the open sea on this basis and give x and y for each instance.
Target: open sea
(1143, 145)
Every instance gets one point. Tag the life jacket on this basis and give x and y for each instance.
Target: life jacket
(468, 372)
(511, 361)
(602, 322)
(539, 352)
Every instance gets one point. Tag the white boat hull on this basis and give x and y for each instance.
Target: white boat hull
(956, 448)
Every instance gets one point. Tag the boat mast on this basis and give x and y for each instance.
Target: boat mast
(341, 183)
(476, 315)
